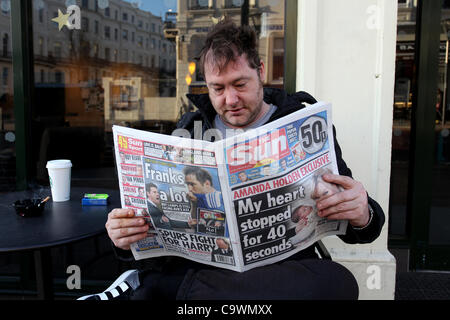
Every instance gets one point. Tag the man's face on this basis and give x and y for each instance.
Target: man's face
(324, 189)
(194, 185)
(236, 92)
(153, 195)
(242, 176)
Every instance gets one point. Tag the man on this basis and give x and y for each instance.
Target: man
(122, 157)
(141, 192)
(127, 201)
(243, 176)
(234, 75)
(153, 203)
(202, 195)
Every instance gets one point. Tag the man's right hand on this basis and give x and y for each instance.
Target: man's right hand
(124, 228)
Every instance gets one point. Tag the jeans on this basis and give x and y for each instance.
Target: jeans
(303, 279)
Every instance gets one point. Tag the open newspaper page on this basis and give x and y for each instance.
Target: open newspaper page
(238, 203)
(274, 176)
(174, 183)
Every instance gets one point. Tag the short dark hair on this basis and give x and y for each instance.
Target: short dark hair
(150, 185)
(226, 42)
(200, 174)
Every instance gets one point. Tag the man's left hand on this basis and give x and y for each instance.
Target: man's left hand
(349, 204)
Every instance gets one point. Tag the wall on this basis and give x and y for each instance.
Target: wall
(346, 56)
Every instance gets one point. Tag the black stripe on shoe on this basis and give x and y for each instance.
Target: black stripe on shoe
(119, 292)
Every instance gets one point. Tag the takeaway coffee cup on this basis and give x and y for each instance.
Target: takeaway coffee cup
(59, 172)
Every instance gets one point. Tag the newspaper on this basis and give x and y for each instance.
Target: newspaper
(237, 203)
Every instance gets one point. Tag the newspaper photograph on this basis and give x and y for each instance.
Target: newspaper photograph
(238, 203)
(274, 179)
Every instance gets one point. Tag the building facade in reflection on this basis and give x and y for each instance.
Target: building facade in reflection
(195, 19)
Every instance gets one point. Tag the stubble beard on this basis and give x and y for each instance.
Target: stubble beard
(254, 116)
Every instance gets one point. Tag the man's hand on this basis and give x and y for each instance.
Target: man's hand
(349, 204)
(124, 228)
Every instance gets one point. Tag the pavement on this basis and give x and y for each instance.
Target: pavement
(426, 285)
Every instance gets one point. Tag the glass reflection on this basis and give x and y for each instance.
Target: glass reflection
(7, 120)
(401, 134)
(104, 62)
(440, 201)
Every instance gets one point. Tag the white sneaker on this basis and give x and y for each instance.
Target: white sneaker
(120, 289)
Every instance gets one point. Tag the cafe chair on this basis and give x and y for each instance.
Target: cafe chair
(322, 250)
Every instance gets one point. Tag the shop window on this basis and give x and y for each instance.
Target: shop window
(5, 45)
(233, 3)
(277, 59)
(5, 76)
(85, 24)
(198, 4)
(41, 15)
(59, 77)
(57, 50)
(107, 32)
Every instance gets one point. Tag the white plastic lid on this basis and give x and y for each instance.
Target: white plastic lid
(59, 164)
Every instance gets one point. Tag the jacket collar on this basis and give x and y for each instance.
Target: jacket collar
(286, 103)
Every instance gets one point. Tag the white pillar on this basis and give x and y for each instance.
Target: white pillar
(346, 56)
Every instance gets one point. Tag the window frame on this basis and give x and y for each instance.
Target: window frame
(23, 77)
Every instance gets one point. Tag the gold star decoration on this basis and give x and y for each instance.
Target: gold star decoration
(61, 19)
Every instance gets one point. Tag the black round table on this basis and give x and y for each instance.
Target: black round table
(60, 223)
